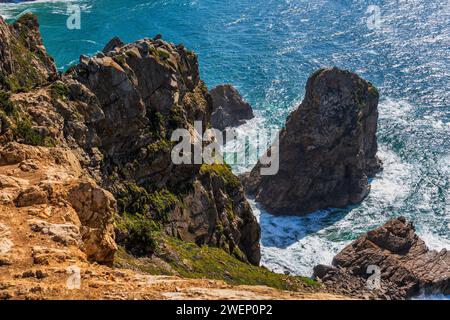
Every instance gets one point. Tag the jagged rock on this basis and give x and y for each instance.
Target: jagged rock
(229, 108)
(157, 90)
(407, 267)
(327, 149)
(113, 44)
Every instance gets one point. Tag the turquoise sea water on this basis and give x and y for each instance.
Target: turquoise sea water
(267, 49)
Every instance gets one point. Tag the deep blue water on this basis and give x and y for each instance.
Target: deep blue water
(267, 49)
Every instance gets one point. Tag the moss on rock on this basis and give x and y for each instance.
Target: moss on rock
(222, 171)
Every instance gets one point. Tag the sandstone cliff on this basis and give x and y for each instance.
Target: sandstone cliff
(327, 149)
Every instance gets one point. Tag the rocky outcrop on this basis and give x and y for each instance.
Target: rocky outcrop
(327, 149)
(229, 108)
(157, 89)
(406, 266)
(69, 208)
(116, 111)
(96, 209)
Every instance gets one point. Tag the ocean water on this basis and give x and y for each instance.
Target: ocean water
(267, 49)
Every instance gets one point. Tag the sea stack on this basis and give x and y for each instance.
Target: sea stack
(327, 150)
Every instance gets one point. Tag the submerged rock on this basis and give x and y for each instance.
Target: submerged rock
(327, 149)
(229, 108)
(406, 266)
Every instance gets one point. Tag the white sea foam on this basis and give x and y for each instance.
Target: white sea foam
(13, 10)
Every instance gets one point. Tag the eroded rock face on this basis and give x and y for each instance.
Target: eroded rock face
(69, 208)
(229, 108)
(327, 149)
(96, 209)
(407, 267)
(157, 89)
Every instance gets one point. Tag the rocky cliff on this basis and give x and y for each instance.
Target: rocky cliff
(327, 149)
(116, 112)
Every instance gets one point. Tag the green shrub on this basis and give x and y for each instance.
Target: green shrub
(154, 205)
(163, 202)
(5, 102)
(137, 234)
(222, 171)
(25, 132)
(59, 90)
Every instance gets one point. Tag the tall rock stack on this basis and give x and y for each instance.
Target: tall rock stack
(327, 149)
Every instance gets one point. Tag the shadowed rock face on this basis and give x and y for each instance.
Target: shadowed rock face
(407, 266)
(327, 148)
(229, 108)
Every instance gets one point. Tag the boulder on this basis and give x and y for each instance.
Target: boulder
(96, 209)
(406, 266)
(327, 150)
(229, 108)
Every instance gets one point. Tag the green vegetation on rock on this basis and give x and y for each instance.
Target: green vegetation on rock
(175, 257)
(59, 90)
(137, 233)
(26, 134)
(222, 171)
(5, 102)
